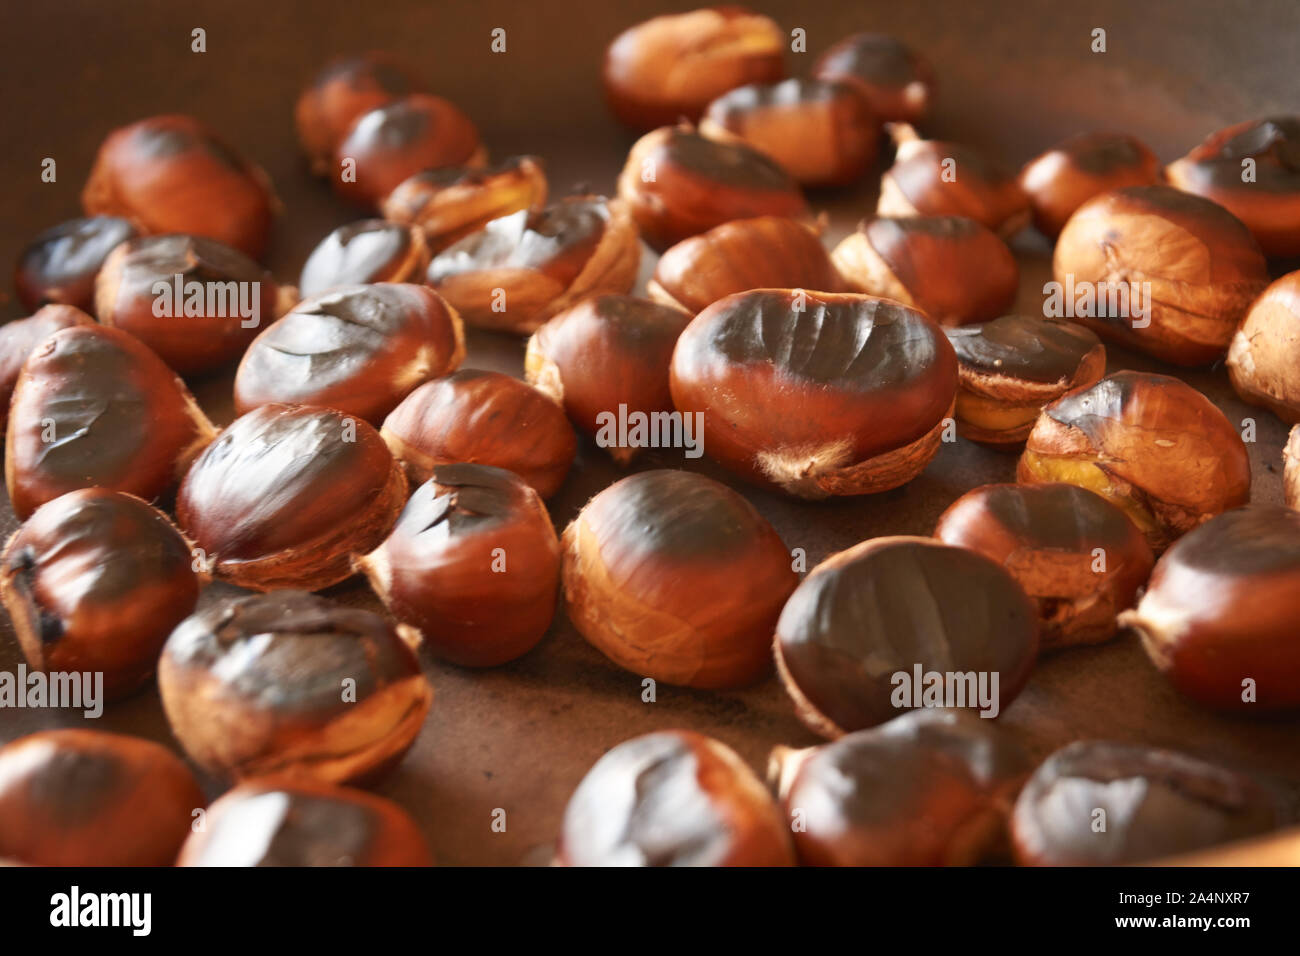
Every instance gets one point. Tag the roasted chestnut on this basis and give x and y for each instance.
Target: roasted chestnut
(929, 788)
(95, 407)
(816, 394)
(1010, 368)
(18, 338)
(483, 418)
(678, 184)
(1264, 357)
(672, 66)
(676, 577)
(519, 270)
(1291, 469)
(1062, 179)
(898, 623)
(1096, 803)
(1158, 270)
(287, 494)
(172, 174)
(60, 265)
(473, 564)
(372, 250)
(360, 349)
(90, 798)
(1151, 444)
(896, 83)
(950, 267)
(672, 798)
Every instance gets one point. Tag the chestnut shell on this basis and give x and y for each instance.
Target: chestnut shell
(1066, 176)
(20, 337)
(60, 265)
(371, 250)
(1264, 357)
(895, 82)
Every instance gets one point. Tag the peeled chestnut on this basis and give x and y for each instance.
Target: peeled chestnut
(20, 337)
(1291, 466)
(360, 349)
(1158, 270)
(483, 418)
(60, 265)
(1062, 179)
(1011, 367)
(95, 407)
(286, 494)
(172, 174)
(898, 623)
(672, 798)
(372, 250)
(929, 788)
(672, 66)
(90, 798)
(816, 394)
(473, 564)
(519, 270)
(1150, 444)
(678, 184)
(676, 577)
(1264, 357)
(896, 83)
(950, 267)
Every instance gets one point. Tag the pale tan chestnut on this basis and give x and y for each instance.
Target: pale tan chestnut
(1291, 469)
(1264, 357)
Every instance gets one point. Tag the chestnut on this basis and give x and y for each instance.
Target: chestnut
(173, 174)
(94, 406)
(898, 623)
(1098, 803)
(950, 267)
(1062, 179)
(678, 184)
(672, 66)
(278, 822)
(816, 394)
(1291, 469)
(372, 250)
(896, 83)
(483, 418)
(360, 349)
(1078, 557)
(1150, 444)
(676, 577)
(90, 798)
(288, 683)
(1264, 357)
(60, 265)
(929, 788)
(20, 337)
(764, 253)
(1158, 270)
(473, 564)
(672, 798)
(1008, 369)
(519, 270)
(286, 494)
(94, 581)
(607, 353)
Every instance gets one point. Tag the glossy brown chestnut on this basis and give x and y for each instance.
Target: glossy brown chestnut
(60, 265)
(172, 174)
(90, 798)
(286, 494)
(360, 349)
(1011, 367)
(672, 66)
(672, 798)
(95, 407)
(94, 581)
(1291, 469)
(473, 565)
(816, 394)
(20, 337)
(290, 684)
(372, 250)
(521, 269)
(1202, 265)
(1150, 444)
(678, 184)
(1097, 803)
(950, 267)
(929, 788)
(897, 623)
(482, 418)
(1062, 179)
(675, 576)
(896, 83)
(1264, 357)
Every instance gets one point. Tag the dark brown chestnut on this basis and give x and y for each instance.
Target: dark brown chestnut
(896, 83)
(1264, 357)
(59, 266)
(1062, 179)
(20, 337)
(372, 250)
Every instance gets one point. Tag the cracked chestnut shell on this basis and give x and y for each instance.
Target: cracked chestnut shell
(286, 494)
(816, 394)
(473, 564)
(895, 82)
(1062, 179)
(672, 798)
(1291, 469)
(20, 337)
(291, 684)
(889, 606)
(1264, 357)
(1156, 803)
(372, 250)
(675, 576)
(1152, 445)
(59, 266)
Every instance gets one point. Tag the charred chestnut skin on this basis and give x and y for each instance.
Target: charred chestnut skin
(676, 577)
(816, 394)
(895, 82)
(371, 250)
(672, 798)
(1264, 357)
(1291, 469)
(90, 798)
(20, 337)
(1066, 176)
(59, 266)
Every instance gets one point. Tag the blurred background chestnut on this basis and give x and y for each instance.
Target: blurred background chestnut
(19, 337)
(60, 265)
(896, 83)
(1062, 179)
(1264, 357)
